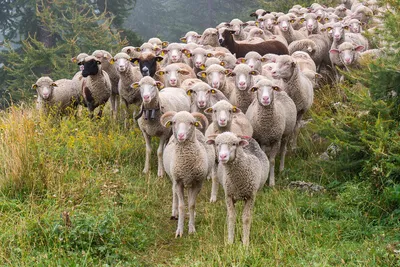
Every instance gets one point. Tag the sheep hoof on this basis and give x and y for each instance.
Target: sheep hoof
(179, 233)
(174, 218)
(192, 230)
(213, 199)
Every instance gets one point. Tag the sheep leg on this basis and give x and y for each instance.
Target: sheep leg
(272, 154)
(174, 215)
(125, 112)
(160, 151)
(113, 106)
(147, 138)
(230, 206)
(192, 195)
(181, 207)
(100, 113)
(283, 151)
(214, 187)
(297, 129)
(246, 219)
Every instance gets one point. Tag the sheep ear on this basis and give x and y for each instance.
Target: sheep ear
(323, 30)
(231, 74)
(202, 66)
(128, 51)
(183, 39)
(166, 118)
(160, 72)
(244, 24)
(263, 59)
(183, 72)
(253, 89)
(359, 48)
(159, 59)
(159, 85)
(243, 143)
(163, 52)
(231, 31)
(346, 27)
(208, 110)
(339, 19)
(227, 72)
(257, 23)
(135, 61)
(254, 72)
(318, 76)
(210, 141)
(334, 51)
(34, 86)
(240, 60)
(319, 18)
(212, 91)
(74, 60)
(202, 74)
(156, 49)
(329, 29)
(198, 124)
(253, 14)
(135, 85)
(276, 88)
(189, 92)
(111, 60)
(189, 55)
(137, 49)
(210, 55)
(235, 109)
(165, 44)
(292, 21)
(302, 20)
(222, 63)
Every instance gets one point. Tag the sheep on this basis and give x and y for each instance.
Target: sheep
(287, 31)
(209, 37)
(96, 87)
(228, 61)
(79, 59)
(128, 74)
(187, 160)
(253, 60)
(188, 50)
(273, 117)
(265, 35)
(354, 25)
(268, 23)
(297, 86)
(173, 52)
(104, 57)
(210, 61)
(242, 48)
(242, 170)
(216, 78)
(363, 14)
(149, 48)
(188, 83)
(154, 104)
(148, 63)
(199, 56)
(241, 97)
(312, 23)
(258, 13)
(203, 96)
(304, 61)
(133, 52)
(190, 37)
(226, 118)
(236, 25)
(61, 94)
(174, 74)
(156, 42)
(341, 11)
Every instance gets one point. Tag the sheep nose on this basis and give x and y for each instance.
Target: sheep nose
(223, 155)
(215, 85)
(242, 83)
(181, 135)
(251, 66)
(266, 98)
(201, 103)
(146, 97)
(172, 80)
(222, 120)
(220, 41)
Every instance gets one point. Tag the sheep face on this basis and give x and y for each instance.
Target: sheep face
(201, 95)
(172, 75)
(311, 23)
(265, 93)
(147, 63)
(91, 67)
(200, 56)
(284, 67)
(348, 55)
(209, 37)
(148, 90)
(216, 79)
(242, 74)
(222, 112)
(44, 87)
(355, 26)
(173, 52)
(338, 32)
(227, 145)
(122, 64)
(284, 24)
(183, 125)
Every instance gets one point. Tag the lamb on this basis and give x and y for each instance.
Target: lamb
(148, 63)
(216, 78)
(104, 57)
(297, 86)
(187, 160)
(226, 118)
(96, 87)
(174, 74)
(242, 170)
(273, 117)
(242, 48)
(203, 96)
(209, 37)
(241, 97)
(154, 104)
(128, 74)
(190, 37)
(56, 96)
(287, 31)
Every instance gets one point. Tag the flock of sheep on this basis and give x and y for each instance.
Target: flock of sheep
(224, 103)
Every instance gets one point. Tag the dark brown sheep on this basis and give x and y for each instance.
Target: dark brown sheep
(242, 48)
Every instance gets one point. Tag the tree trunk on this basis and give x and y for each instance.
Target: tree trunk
(43, 33)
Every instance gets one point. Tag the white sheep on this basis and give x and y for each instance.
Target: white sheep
(173, 53)
(174, 74)
(133, 52)
(273, 117)
(297, 86)
(96, 87)
(209, 37)
(190, 37)
(237, 26)
(128, 74)
(226, 118)
(154, 104)
(242, 170)
(216, 78)
(287, 31)
(188, 160)
(56, 96)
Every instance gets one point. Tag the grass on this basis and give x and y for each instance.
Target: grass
(92, 171)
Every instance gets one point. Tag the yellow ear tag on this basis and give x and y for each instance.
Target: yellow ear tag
(243, 60)
(202, 67)
(162, 53)
(34, 86)
(196, 124)
(135, 85)
(74, 60)
(168, 124)
(161, 73)
(54, 84)
(257, 24)
(209, 110)
(189, 92)
(112, 61)
(222, 63)
(138, 49)
(234, 109)
(213, 91)
(209, 55)
(276, 88)
(183, 40)
(203, 75)
(253, 89)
